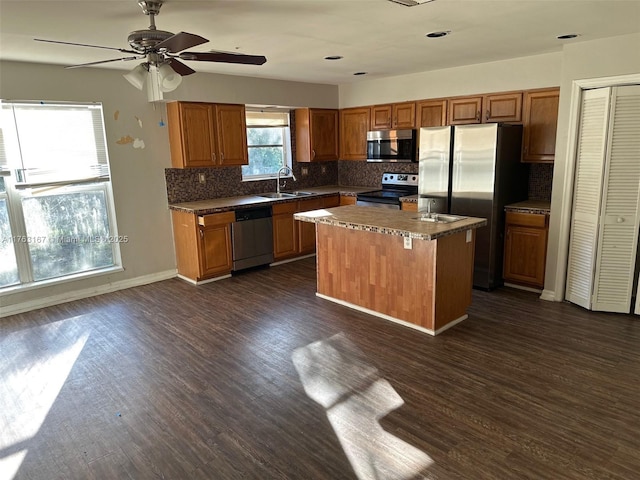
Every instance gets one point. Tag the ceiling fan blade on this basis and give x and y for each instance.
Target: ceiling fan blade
(125, 59)
(85, 45)
(180, 41)
(224, 57)
(180, 68)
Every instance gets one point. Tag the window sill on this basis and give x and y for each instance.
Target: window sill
(266, 177)
(25, 287)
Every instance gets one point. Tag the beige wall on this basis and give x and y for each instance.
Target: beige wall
(515, 74)
(609, 57)
(138, 174)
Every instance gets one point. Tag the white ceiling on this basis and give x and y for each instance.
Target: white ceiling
(374, 36)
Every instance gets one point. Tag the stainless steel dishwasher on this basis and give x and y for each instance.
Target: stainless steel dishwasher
(252, 238)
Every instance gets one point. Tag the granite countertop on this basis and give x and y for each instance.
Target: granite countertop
(217, 205)
(530, 206)
(390, 222)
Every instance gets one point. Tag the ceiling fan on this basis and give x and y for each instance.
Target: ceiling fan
(163, 50)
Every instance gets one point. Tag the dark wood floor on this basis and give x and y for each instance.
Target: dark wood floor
(172, 381)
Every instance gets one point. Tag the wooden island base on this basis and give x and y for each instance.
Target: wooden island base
(427, 287)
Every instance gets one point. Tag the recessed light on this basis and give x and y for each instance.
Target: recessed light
(360, 73)
(567, 36)
(442, 33)
(333, 57)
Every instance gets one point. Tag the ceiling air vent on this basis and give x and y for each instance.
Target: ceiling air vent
(410, 3)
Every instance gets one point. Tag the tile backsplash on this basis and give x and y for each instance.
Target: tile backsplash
(365, 174)
(183, 184)
(540, 181)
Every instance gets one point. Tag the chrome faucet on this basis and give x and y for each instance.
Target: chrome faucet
(284, 170)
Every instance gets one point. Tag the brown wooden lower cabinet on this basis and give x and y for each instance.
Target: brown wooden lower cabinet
(347, 200)
(203, 244)
(525, 249)
(410, 206)
(292, 238)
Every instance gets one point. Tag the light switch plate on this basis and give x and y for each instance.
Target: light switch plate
(469, 237)
(408, 244)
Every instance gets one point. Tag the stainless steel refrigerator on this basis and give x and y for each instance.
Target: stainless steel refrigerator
(474, 170)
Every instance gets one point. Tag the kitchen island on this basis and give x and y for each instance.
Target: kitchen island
(395, 265)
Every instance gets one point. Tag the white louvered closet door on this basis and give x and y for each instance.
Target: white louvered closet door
(590, 152)
(619, 219)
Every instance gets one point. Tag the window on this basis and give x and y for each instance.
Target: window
(56, 208)
(269, 144)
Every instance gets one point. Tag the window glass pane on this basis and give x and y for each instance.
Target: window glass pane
(67, 233)
(264, 136)
(8, 265)
(2, 186)
(264, 161)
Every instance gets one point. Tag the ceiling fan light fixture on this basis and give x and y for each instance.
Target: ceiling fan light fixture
(154, 90)
(169, 78)
(137, 76)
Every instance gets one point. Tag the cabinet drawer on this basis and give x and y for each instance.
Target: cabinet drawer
(216, 219)
(311, 204)
(288, 207)
(332, 201)
(527, 219)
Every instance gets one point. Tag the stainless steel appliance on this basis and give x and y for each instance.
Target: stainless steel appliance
(252, 238)
(391, 146)
(474, 170)
(394, 187)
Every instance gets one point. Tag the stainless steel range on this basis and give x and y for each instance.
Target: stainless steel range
(394, 187)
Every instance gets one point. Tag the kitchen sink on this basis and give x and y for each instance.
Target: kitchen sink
(277, 195)
(284, 194)
(439, 218)
(298, 193)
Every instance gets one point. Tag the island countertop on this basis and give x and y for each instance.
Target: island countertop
(390, 222)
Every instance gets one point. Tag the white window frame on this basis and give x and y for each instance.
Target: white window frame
(16, 191)
(286, 136)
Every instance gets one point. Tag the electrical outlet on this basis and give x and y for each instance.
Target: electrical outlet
(202, 178)
(305, 171)
(408, 243)
(323, 169)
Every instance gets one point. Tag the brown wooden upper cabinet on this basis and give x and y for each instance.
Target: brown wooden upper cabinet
(206, 134)
(393, 115)
(540, 122)
(354, 125)
(500, 107)
(316, 134)
(431, 113)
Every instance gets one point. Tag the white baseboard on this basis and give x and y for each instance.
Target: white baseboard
(394, 319)
(549, 296)
(294, 259)
(522, 287)
(202, 282)
(85, 293)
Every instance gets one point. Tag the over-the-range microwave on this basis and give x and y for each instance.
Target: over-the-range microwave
(391, 145)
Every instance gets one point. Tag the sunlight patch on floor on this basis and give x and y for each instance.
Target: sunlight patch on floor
(32, 376)
(335, 374)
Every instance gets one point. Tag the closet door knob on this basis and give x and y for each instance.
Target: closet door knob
(620, 219)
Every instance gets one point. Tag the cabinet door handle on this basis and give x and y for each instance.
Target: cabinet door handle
(487, 117)
(222, 156)
(213, 156)
(526, 150)
(478, 113)
(313, 153)
(201, 233)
